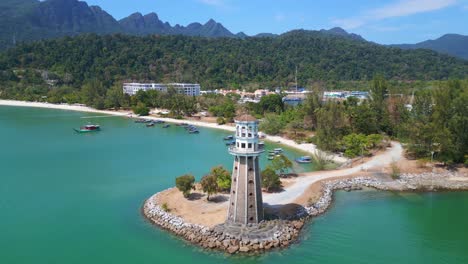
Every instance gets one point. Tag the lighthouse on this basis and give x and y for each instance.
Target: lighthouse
(245, 202)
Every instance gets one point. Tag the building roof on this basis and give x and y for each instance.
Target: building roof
(245, 118)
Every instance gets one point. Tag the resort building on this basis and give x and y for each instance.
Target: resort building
(343, 95)
(181, 88)
(245, 202)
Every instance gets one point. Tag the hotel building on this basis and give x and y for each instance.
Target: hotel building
(181, 88)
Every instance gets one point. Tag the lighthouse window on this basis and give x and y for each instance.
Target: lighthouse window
(250, 194)
(250, 169)
(235, 167)
(250, 181)
(250, 135)
(243, 145)
(251, 218)
(233, 192)
(250, 145)
(251, 206)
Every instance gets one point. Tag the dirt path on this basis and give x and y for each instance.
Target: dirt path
(294, 191)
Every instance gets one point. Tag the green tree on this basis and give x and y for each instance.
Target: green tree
(281, 164)
(332, 125)
(272, 103)
(223, 177)
(270, 180)
(141, 109)
(209, 185)
(185, 184)
(114, 97)
(271, 124)
(355, 145)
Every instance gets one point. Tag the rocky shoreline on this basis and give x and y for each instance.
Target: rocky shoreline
(275, 234)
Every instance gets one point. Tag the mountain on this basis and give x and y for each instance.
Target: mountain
(29, 20)
(452, 44)
(337, 31)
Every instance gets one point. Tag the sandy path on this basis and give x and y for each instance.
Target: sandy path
(295, 190)
(308, 148)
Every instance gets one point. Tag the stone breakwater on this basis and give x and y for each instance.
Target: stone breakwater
(326, 199)
(276, 234)
(229, 238)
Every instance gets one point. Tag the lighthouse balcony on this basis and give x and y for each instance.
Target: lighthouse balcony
(233, 150)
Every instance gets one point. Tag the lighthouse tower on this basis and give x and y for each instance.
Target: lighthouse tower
(245, 203)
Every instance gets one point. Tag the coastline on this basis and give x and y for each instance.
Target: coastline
(216, 239)
(306, 147)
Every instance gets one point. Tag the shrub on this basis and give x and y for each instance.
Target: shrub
(185, 184)
(320, 160)
(165, 207)
(395, 171)
(141, 109)
(220, 120)
(270, 180)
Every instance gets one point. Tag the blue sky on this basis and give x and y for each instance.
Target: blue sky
(382, 21)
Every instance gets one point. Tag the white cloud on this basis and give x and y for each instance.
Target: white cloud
(397, 9)
(213, 2)
(411, 7)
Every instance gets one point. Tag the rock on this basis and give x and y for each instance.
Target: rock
(244, 249)
(226, 243)
(232, 249)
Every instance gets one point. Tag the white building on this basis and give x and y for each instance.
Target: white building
(181, 88)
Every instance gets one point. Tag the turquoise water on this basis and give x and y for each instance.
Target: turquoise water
(69, 198)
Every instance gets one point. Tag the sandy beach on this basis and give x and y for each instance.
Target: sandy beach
(306, 147)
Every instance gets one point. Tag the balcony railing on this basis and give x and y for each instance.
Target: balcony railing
(234, 149)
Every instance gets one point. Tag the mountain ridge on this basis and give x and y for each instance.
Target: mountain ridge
(31, 20)
(452, 44)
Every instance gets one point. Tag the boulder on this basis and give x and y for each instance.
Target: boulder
(232, 249)
(244, 249)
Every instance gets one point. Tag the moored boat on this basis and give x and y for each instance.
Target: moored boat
(304, 159)
(88, 128)
(230, 137)
(151, 124)
(166, 126)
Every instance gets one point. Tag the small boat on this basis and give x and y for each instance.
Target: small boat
(88, 128)
(230, 143)
(194, 131)
(230, 137)
(304, 159)
(166, 126)
(159, 122)
(150, 124)
(278, 150)
(271, 157)
(140, 121)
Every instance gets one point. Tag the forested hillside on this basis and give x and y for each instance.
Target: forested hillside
(222, 62)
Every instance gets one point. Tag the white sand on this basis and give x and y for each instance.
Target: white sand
(308, 148)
